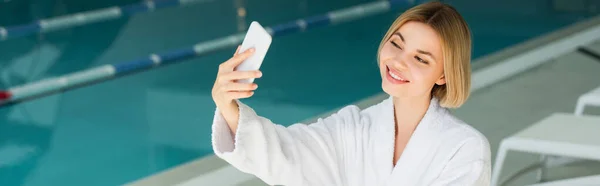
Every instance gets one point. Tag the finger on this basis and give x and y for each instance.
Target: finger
(237, 87)
(240, 95)
(237, 50)
(238, 59)
(237, 75)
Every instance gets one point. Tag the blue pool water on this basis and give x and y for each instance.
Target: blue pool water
(124, 129)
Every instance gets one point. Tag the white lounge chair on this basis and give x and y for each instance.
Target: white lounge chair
(560, 134)
(591, 98)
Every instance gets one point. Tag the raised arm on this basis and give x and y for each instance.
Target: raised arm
(299, 154)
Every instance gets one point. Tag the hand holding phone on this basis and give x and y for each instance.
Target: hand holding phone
(259, 39)
(236, 75)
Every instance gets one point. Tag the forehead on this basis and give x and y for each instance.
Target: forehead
(421, 36)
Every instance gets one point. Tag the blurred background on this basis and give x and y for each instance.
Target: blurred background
(140, 125)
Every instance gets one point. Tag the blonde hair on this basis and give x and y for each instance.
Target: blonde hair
(456, 48)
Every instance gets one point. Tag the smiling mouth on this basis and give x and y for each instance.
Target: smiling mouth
(395, 77)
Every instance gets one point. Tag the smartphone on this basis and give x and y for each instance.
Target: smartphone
(259, 39)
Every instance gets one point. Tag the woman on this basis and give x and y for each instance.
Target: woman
(408, 139)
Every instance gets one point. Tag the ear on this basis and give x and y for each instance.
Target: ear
(441, 81)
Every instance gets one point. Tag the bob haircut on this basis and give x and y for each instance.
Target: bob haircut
(455, 36)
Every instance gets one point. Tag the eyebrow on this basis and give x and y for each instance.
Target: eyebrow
(418, 50)
(400, 35)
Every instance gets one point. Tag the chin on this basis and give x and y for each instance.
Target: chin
(401, 91)
(392, 90)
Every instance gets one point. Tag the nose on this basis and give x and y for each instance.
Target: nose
(401, 62)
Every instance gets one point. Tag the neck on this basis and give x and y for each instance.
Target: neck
(408, 111)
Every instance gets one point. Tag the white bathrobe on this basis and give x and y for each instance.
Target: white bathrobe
(355, 147)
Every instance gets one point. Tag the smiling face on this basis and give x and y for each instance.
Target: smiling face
(411, 61)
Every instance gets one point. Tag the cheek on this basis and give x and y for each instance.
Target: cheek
(384, 56)
(419, 75)
(423, 76)
(386, 52)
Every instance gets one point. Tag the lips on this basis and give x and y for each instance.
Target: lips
(395, 77)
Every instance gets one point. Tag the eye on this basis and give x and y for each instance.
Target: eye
(421, 60)
(396, 45)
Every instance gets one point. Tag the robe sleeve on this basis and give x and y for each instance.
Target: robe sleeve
(299, 154)
(470, 166)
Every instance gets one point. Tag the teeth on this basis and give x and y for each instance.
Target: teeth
(395, 76)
